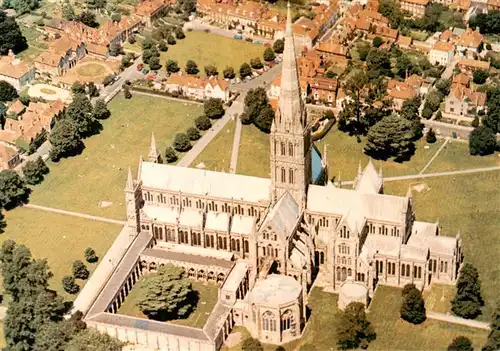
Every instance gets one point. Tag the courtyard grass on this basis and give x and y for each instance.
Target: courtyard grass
(59, 238)
(438, 298)
(207, 293)
(455, 156)
(210, 49)
(393, 333)
(91, 70)
(217, 155)
(253, 157)
(93, 182)
(469, 204)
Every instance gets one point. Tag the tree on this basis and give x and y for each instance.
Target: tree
(91, 339)
(251, 344)
(34, 171)
(11, 37)
(265, 119)
(391, 10)
(126, 92)
(181, 142)
(475, 122)
(91, 89)
(412, 305)
(479, 76)
(79, 270)
(353, 329)
(90, 255)
(100, 110)
(203, 123)
(443, 86)
(430, 136)
(410, 112)
(211, 70)
(116, 17)
(154, 63)
(229, 73)
(378, 63)
(148, 43)
(64, 140)
(492, 118)
(171, 40)
(493, 341)
(69, 284)
(7, 91)
(68, 12)
(191, 67)
(88, 18)
(363, 50)
(179, 34)
(482, 141)
(165, 294)
(213, 108)
(468, 301)
(269, 54)
(78, 88)
(13, 190)
(403, 66)
(193, 133)
(245, 70)
(162, 45)
(172, 66)
(460, 343)
(255, 102)
(79, 113)
(377, 42)
(390, 137)
(279, 46)
(256, 63)
(170, 155)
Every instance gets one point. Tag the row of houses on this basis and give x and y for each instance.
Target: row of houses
(466, 42)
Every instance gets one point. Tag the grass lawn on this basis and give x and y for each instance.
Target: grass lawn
(438, 298)
(455, 155)
(253, 157)
(208, 294)
(393, 333)
(58, 238)
(469, 204)
(35, 47)
(91, 70)
(211, 49)
(419, 35)
(217, 155)
(81, 183)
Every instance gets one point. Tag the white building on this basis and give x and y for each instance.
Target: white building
(441, 53)
(198, 87)
(15, 72)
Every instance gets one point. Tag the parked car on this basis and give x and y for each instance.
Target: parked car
(238, 36)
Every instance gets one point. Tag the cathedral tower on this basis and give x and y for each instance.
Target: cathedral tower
(290, 136)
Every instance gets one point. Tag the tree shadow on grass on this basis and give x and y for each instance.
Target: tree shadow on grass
(164, 316)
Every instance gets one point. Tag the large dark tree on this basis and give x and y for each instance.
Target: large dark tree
(79, 270)
(213, 108)
(7, 91)
(480, 76)
(245, 70)
(353, 329)
(492, 118)
(391, 137)
(279, 46)
(482, 141)
(410, 112)
(13, 190)
(486, 22)
(34, 171)
(412, 305)
(165, 294)
(181, 142)
(269, 54)
(91, 339)
(229, 73)
(265, 119)
(88, 18)
(79, 113)
(468, 301)
(211, 70)
(493, 341)
(191, 67)
(11, 37)
(202, 123)
(172, 66)
(64, 140)
(255, 103)
(100, 110)
(460, 343)
(378, 63)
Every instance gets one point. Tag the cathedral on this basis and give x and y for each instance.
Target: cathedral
(267, 241)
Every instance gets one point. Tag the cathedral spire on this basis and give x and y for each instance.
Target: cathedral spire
(130, 181)
(153, 151)
(291, 109)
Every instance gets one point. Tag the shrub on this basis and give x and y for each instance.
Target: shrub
(460, 343)
(170, 155)
(126, 92)
(430, 137)
(162, 45)
(256, 63)
(69, 285)
(80, 271)
(90, 255)
(193, 133)
(482, 141)
(229, 73)
(34, 171)
(251, 344)
(213, 108)
(412, 306)
(279, 46)
(269, 54)
(203, 123)
(181, 142)
(245, 70)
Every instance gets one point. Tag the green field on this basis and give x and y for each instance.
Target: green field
(211, 49)
(253, 156)
(35, 47)
(59, 238)
(452, 158)
(99, 173)
(207, 293)
(217, 155)
(393, 333)
(469, 204)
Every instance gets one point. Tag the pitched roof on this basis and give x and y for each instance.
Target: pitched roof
(330, 47)
(474, 63)
(404, 41)
(7, 152)
(471, 38)
(462, 79)
(283, 216)
(417, 2)
(442, 46)
(473, 97)
(197, 81)
(370, 182)
(12, 67)
(16, 108)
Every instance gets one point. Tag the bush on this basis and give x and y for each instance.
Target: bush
(213, 108)
(69, 285)
(430, 137)
(191, 67)
(279, 46)
(229, 73)
(126, 92)
(170, 155)
(482, 141)
(162, 45)
(460, 343)
(181, 142)
(245, 70)
(412, 306)
(269, 54)
(256, 63)
(193, 133)
(80, 271)
(90, 255)
(203, 123)
(34, 171)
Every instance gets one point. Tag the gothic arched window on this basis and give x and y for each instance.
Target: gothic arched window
(282, 148)
(290, 176)
(290, 149)
(283, 175)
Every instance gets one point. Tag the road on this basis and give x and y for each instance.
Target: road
(232, 112)
(75, 214)
(457, 320)
(434, 156)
